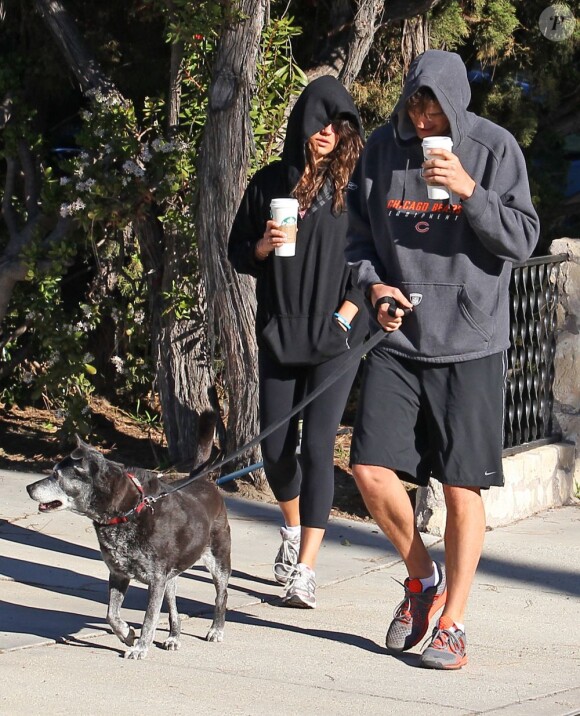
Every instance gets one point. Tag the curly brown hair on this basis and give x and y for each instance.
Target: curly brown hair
(337, 166)
(418, 101)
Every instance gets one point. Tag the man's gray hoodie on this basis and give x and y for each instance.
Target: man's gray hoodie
(455, 256)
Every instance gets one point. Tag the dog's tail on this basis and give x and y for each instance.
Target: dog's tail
(205, 434)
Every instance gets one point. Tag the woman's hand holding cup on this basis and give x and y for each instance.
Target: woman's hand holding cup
(273, 238)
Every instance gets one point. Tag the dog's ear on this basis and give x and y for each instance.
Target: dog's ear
(78, 452)
(77, 456)
(81, 451)
(82, 444)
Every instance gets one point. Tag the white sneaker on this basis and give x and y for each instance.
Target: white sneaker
(287, 556)
(300, 588)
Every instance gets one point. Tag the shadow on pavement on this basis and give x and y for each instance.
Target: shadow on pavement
(361, 642)
(11, 532)
(559, 581)
(46, 623)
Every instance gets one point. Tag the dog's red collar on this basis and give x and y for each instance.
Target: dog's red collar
(144, 502)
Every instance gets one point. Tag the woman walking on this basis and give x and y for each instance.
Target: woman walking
(308, 316)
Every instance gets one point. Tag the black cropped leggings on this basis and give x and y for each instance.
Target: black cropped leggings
(309, 475)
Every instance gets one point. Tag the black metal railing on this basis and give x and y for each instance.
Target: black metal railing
(530, 371)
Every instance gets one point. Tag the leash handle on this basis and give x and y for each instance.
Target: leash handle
(353, 355)
(392, 309)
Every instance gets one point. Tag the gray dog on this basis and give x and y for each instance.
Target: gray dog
(152, 542)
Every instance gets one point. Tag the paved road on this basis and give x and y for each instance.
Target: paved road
(57, 655)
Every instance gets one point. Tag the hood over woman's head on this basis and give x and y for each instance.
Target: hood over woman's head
(323, 100)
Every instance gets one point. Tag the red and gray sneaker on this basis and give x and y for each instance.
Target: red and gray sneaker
(447, 647)
(411, 618)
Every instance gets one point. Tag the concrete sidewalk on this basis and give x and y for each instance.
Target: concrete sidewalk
(57, 655)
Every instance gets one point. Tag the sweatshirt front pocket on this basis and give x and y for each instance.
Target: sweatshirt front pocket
(304, 340)
(445, 321)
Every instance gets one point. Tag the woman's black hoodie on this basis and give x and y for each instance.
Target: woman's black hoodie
(297, 295)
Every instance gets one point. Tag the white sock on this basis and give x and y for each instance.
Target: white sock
(457, 625)
(292, 533)
(432, 580)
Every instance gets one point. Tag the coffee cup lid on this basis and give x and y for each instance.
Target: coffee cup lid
(437, 141)
(284, 202)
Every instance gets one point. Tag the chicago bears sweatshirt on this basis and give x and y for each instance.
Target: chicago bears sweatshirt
(454, 257)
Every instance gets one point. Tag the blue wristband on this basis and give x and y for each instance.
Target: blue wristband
(342, 320)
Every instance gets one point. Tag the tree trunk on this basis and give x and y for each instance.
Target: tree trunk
(415, 40)
(175, 80)
(367, 18)
(224, 159)
(71, 44)
(179, 345)
(351, 31)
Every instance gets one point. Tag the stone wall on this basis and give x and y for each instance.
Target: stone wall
(547, 476)
(567, 362)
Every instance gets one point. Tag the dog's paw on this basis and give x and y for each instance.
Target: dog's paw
(129, 639)
(137, 652)
(171, 644)
(215, 634)
(124, 632)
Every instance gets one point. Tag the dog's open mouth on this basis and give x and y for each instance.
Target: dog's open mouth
(48, 506)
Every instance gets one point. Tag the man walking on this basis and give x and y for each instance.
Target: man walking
(436, 273)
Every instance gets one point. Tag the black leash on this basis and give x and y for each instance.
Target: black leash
(353, 355)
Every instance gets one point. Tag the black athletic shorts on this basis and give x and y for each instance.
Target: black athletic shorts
(432, 420)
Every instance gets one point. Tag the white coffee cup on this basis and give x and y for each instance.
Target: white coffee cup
(435, 191)
(285, 213)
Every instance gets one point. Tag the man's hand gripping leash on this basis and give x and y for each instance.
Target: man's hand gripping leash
(396, 311)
